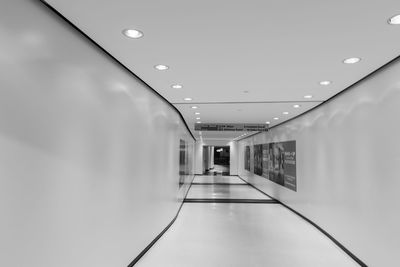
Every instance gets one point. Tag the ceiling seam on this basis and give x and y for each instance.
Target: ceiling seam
(249, 102)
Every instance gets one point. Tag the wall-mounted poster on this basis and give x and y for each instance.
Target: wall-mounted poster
(247, 158)
(279, 163)
(290, 165)
(266, 162)
(183, 161)
(258, 156)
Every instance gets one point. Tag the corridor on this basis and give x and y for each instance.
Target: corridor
(112, 113)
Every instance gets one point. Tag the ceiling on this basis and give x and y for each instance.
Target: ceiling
(242, 61)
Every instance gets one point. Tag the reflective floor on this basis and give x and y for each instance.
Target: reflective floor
(225, 192)
(241, 234)
(219, 170)
(218, 179)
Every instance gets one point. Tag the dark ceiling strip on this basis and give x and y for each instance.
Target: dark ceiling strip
(334, 96)
(118, 62)
(295, 117)
(248, 102)
(341, 92)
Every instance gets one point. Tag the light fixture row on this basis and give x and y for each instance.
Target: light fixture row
(284, 113)
(136, 34)
(395, 20)
(197, 114)
(244, 134)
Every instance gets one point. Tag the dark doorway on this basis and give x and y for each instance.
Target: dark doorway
(221, 161)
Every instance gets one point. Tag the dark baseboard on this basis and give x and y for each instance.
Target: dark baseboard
(148, 247)
(230, 200)
(245, 201)
(340, 245)
(144, 251)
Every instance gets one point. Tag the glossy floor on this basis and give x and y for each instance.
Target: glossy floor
(224, 192)
(242, 235)
(218, 179)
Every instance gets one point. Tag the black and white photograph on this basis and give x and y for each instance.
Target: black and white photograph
(247, 158)
(258, 162)
(183, 162)
(206, 133)
(279, 163)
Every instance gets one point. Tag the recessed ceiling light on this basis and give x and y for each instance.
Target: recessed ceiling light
(308, 96)
(267, 122)
(325, 83)
(285, 113)
(187, 99)
(194, 107)
(276, 118)
(296, 106)
(197, 113)
(395, 20)
(351, 60)
(198, 121)
(176, 86)
(161, 67)
(198, 118)
(132, 33)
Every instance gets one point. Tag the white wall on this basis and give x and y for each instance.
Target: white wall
(206, 158)
(89, 157)
(198, 158)
(233, 164)
(348, 167)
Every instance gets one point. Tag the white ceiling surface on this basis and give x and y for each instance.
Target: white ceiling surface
(276, 50)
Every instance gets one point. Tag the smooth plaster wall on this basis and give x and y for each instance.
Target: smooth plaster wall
(348, 166)
(198, 158)
(89, 156)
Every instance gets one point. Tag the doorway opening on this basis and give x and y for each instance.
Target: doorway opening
(216, 160)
